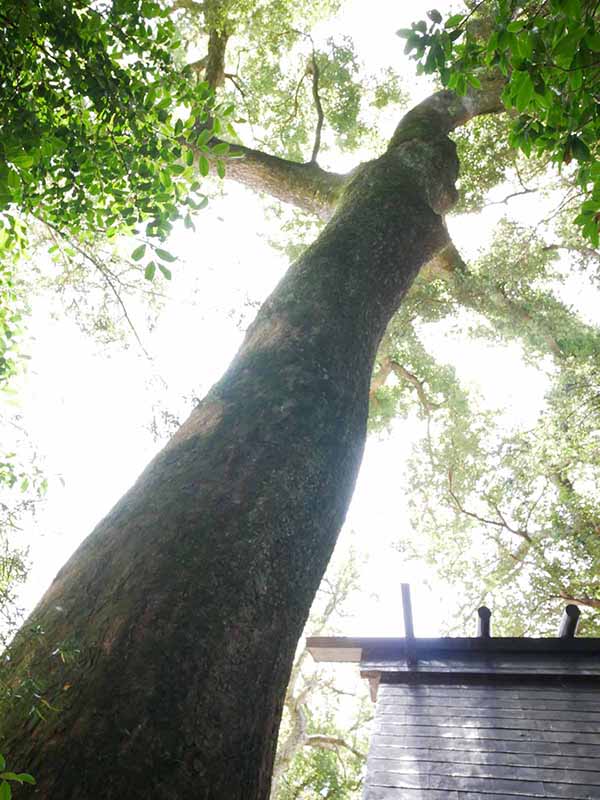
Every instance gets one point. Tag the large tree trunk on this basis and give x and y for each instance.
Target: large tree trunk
(187, 600)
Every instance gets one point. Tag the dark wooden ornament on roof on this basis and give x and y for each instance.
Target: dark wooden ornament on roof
(483, 718)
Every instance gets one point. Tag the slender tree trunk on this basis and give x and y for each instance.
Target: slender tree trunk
(187, 600)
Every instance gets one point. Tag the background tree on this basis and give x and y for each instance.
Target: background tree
(512, 517)
(322, 742)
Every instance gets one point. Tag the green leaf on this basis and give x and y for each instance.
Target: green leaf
(454, 20)
(522, 90)
(2, 759)
(25, 777)
(10, 776)
(567, 47)
(203, 166)
(434, 15)
(165, 255)
(165, 271)
(14, 182)
(189, 158)
(204, 136)
(220, 169)
(22, 160)
(593, 41)
(220, 149)
(5, 791)
(580, 149)
(572, 8)
(150, 270)
(139, 252)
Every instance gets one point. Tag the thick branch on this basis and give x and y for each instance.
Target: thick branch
(582, 250)
(381, 376)
(305, 186)
(444, 111)
(215, 62)
(292, 744)
(449, 265)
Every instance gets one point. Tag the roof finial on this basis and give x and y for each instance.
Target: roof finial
(483, 622)
(568, 623)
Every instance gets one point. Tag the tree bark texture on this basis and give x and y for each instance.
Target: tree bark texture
(187, 600)
(306, 186)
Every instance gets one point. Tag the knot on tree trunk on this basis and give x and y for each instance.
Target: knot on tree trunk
(433, 165)
(425, 168)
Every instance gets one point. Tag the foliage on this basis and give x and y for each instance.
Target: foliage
(507, 513)
(322, 745)
(319, 773)
(23, 487)
(544, 52)
(7, 778)
(485, 155)
(13, 306)
(277, 74)
(96, 118)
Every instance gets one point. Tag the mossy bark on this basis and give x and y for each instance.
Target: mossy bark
(188, 599)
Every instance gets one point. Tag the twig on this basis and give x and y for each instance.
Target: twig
(295, 104)
(484, 520)
(509, 197)
(108, 277)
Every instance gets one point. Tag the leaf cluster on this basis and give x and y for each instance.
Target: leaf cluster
(549, 56)
(7, 778)
(96, 118)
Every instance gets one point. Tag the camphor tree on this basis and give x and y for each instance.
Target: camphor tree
(184, 606)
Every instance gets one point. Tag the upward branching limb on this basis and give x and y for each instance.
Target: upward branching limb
(318, 107)
(215, 60)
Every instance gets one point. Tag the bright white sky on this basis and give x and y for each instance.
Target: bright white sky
(87, 407)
